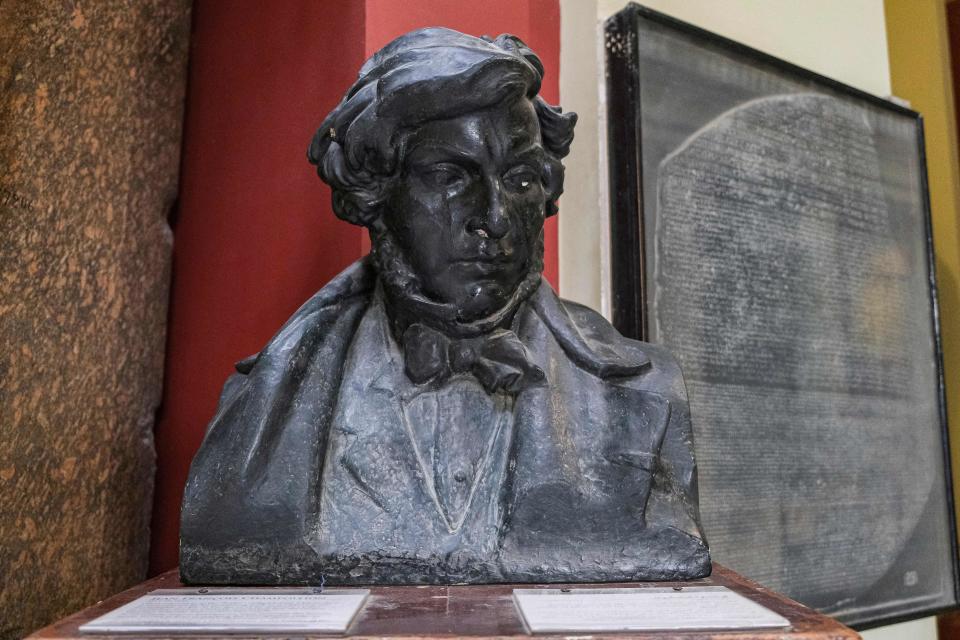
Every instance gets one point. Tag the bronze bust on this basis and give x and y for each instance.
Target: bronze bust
(436, 414)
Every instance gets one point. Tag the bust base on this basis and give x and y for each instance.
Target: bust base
(488, 611)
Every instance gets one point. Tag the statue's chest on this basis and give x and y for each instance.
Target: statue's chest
(455, 433)
(411, 472)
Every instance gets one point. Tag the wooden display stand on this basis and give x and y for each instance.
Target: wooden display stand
(487, 611)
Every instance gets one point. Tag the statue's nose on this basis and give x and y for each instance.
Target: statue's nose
(494, 222)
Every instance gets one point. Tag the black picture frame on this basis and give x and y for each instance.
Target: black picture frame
(632, 172)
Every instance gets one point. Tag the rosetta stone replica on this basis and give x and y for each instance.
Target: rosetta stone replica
(436, 414)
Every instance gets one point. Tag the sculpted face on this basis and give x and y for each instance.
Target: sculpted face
(468, 208)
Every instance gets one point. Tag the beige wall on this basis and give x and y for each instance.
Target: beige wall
(844, 40)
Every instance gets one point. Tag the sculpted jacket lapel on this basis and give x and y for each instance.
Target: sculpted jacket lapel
(452, 428)
(598, 430)
(437, 440)
(381, 462)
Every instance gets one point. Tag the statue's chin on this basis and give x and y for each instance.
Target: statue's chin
(481, 302)
(478, 300)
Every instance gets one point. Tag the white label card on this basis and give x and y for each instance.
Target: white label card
(222, 610)
(642, 609)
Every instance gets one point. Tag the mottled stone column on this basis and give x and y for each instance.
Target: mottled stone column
(91, 100)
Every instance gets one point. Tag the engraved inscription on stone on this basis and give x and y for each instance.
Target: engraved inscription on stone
(798, 309)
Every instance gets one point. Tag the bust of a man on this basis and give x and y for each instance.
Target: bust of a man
(436, 414)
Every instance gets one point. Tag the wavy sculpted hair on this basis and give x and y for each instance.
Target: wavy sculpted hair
(425, 75)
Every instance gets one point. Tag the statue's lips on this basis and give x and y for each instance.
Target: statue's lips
(486, 265)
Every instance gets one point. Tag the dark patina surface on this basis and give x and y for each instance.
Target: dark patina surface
(436, 413)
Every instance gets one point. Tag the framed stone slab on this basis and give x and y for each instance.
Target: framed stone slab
(599, 610)
(771, 227)
(233, 611)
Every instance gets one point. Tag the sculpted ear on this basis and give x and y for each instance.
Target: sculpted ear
(346, 208)
(556, 130)
(357, 194)
(553, 185)
(556, 127)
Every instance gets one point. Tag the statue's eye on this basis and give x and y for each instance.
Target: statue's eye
(444, 176)
(521, 179)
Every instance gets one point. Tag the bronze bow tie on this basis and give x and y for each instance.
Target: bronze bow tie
(498, 359)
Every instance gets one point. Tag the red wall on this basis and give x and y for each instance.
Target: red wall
(254, 234)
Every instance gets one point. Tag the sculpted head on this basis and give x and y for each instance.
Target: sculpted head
(445, 152)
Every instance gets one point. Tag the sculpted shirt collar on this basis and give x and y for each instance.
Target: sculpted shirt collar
(437, 345)
(594, 347)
